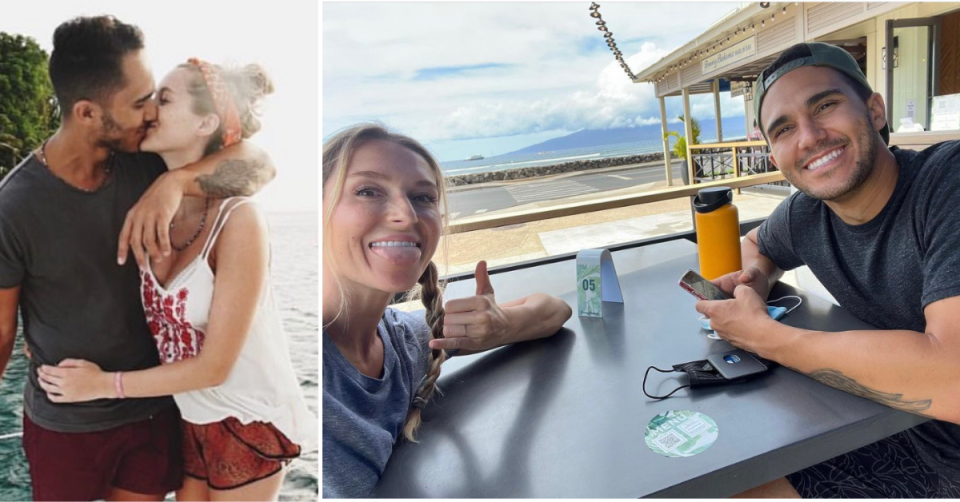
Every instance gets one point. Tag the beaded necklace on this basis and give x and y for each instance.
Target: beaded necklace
(203, 223)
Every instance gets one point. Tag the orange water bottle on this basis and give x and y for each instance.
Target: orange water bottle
(718, 232)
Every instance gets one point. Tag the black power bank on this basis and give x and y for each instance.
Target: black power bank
(736, 364)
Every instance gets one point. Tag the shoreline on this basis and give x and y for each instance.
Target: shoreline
(561, 168)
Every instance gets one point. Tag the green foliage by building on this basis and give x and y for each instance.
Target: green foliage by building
(28, 111)
(680, 147)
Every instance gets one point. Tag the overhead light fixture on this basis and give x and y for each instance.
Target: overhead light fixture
(764, 5)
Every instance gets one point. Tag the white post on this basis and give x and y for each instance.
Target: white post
(716, 108)
(667, 161)
(688, 130)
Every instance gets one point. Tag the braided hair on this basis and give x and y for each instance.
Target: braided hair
(431, 295)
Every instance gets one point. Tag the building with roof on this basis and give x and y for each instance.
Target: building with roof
(909, 52)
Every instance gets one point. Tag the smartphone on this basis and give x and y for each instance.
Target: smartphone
(701, 288)
(736, 364)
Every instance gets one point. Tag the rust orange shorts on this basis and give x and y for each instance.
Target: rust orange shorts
(228, 454)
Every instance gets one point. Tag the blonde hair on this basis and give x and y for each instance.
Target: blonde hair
(247, 85)
(337, 153)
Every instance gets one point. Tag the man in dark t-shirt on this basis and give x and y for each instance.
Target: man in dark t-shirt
(61, 212)
(879, 228)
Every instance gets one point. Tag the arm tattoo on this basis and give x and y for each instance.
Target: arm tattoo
(838, 380)
(233, 177)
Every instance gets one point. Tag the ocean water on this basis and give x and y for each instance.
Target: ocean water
(521, 160)
(295, 278)
(517, 161)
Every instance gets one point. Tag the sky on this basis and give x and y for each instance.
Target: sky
(492, 77)
(282, 38)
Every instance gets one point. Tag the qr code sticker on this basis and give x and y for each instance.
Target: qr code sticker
(669, 440)
(694, 426)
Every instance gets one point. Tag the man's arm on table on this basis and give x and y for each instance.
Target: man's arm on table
(240, 169)
(9, 303)
(902, 369)
(906, 370)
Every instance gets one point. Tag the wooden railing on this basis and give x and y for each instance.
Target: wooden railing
(481, 222)
(731, 159)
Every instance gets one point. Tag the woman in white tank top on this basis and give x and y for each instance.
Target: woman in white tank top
(210, 308)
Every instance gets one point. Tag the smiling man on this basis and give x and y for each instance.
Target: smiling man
(879, 229)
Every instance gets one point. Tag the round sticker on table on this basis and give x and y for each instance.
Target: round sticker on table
(680, 433)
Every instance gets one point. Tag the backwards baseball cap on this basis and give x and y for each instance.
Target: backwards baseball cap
(816, 54)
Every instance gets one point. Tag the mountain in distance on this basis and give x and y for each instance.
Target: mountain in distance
(732, 127)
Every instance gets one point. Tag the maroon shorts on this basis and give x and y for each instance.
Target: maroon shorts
(141, 457)
(228, 454)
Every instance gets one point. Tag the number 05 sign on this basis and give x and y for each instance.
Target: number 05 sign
(597, 282)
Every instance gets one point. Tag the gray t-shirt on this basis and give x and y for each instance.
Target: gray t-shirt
(59, 244)
(886, 271)
(362, 416)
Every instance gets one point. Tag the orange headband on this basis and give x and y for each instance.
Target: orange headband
(222, 101)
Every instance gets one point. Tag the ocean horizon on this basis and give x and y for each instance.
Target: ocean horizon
(521, 160)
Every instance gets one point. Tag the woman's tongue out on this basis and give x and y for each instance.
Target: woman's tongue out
(397, 252)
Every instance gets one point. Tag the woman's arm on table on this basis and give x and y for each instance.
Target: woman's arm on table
(478, 323)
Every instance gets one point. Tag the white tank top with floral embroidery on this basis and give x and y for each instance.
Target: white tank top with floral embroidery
(262, 385)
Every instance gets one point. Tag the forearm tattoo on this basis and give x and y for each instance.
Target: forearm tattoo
(838, 380)
(233, 177)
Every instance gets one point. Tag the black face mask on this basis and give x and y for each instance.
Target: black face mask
(701, 374)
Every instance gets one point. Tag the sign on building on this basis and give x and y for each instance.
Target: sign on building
(730, 55)
(744, 89)
(945, 113)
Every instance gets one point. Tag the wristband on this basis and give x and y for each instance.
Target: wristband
(118, 384)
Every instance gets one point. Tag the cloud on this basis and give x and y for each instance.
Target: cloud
(613, 102)
(446, 72)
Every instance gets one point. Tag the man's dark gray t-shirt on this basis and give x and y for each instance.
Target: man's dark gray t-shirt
(889, 269)
(59, 245)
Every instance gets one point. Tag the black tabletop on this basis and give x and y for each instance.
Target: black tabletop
(565, 416)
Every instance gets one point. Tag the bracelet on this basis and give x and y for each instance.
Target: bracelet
(118, 384)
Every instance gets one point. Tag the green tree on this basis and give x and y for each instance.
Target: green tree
(680, 147)
(28, 111)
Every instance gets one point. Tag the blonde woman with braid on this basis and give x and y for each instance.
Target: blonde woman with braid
(382, 221)
(210, 309)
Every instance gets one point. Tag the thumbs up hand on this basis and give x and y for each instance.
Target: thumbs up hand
(483, 279)
(475, 323)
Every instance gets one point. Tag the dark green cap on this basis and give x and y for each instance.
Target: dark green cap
(820, 54)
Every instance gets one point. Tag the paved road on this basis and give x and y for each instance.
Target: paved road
(481, 200)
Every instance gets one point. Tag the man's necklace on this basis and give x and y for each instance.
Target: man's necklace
(203, 223)
(107, 169)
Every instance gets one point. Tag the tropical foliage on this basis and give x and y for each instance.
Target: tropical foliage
(28, 112)
(680, 146)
